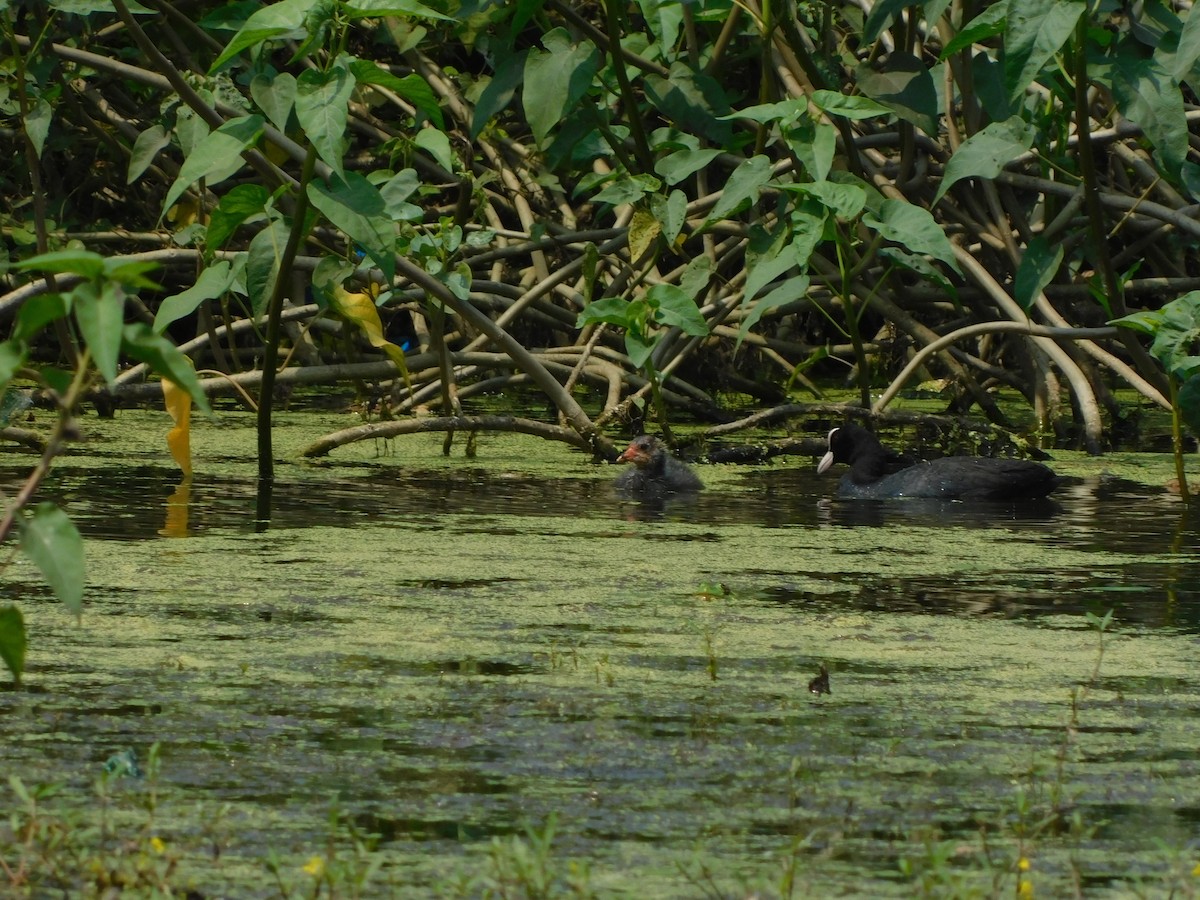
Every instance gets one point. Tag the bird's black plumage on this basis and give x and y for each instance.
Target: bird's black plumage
(949, 478)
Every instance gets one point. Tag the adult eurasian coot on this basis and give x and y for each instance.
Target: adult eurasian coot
(949, 478)
(655, 472)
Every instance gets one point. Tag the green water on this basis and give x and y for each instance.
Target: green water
(435, 655)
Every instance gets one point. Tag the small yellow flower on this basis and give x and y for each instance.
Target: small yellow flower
(1196, 871)
(1023, 864)
(158, 845)
(315, 866)
(1024, 888)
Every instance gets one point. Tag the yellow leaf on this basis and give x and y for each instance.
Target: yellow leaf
(359, 309)
(643, 230)
(179, 405)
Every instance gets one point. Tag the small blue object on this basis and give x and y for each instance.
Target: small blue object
(123, 764)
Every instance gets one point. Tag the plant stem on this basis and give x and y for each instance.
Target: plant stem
(266, 459)
(1177, 438)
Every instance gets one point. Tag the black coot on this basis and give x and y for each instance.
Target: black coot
(655, 472)
(950, 478)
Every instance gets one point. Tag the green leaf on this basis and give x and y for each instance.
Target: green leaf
(880, 17)
(1148, 96)
(65, 262)
(12, 640)
(262, 263)
(848, 107)
(640, 347)
(497, 96)
(613, 310)
(914, 228)
(815, 145)
(212, 283)
(693, 100)
(556, 79)
(100, 314)
(12, 357)
(628, 190)
(437, 145)
(767, 267)
(164, 358)
(37, 312)
(671, 212)
(1188, 399)
(217, 156)
(674, 307)
(1188, 50)
(37, 123)
(905, 87)
(53, 544)
(682, 163)
(375, 8)
(239, 205)
(1035, 30)
(988, 24)
(788, 292)
(1038, 268)
(356, 207)
(322, 100)
(986, 153)
(784, 113)
(277, 20)
(844, 200)
(411, 87)
(742, 188)
(145, 148)
(275, 96)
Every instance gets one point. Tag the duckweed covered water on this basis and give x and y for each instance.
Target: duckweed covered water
(463, 656)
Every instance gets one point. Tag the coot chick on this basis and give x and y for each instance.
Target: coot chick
(655, 472)
(949, 478)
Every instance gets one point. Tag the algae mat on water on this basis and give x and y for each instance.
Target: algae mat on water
(520, 685)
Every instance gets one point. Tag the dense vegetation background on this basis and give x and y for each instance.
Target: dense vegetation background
(649, 208)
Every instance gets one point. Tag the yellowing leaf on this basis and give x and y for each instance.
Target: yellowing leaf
(359, 309)
(179, 438)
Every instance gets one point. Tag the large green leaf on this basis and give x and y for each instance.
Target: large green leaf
(65, 262)
(1038, 266)
(39, 311)
(679, 165)
(357, 9)
(914, 228)
(100, 314)
(12, 640)
(275, 96)
(988, 24)
(497, 96)
(53, 544)
(741, 188)
(217, 156)
(556, 79)
(848, 106)
(262, 263)
(673, 306)
(905, 87)
(985, 153)
(164, 358)
(276, 20)
(356, 207)
(1189, 403)
(789, 291)
(411, 87)
(239, 205)
(322, 100)
(1035, 30)
(693, 100)
(145, 148)
(1147, 95)
(212, 283)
